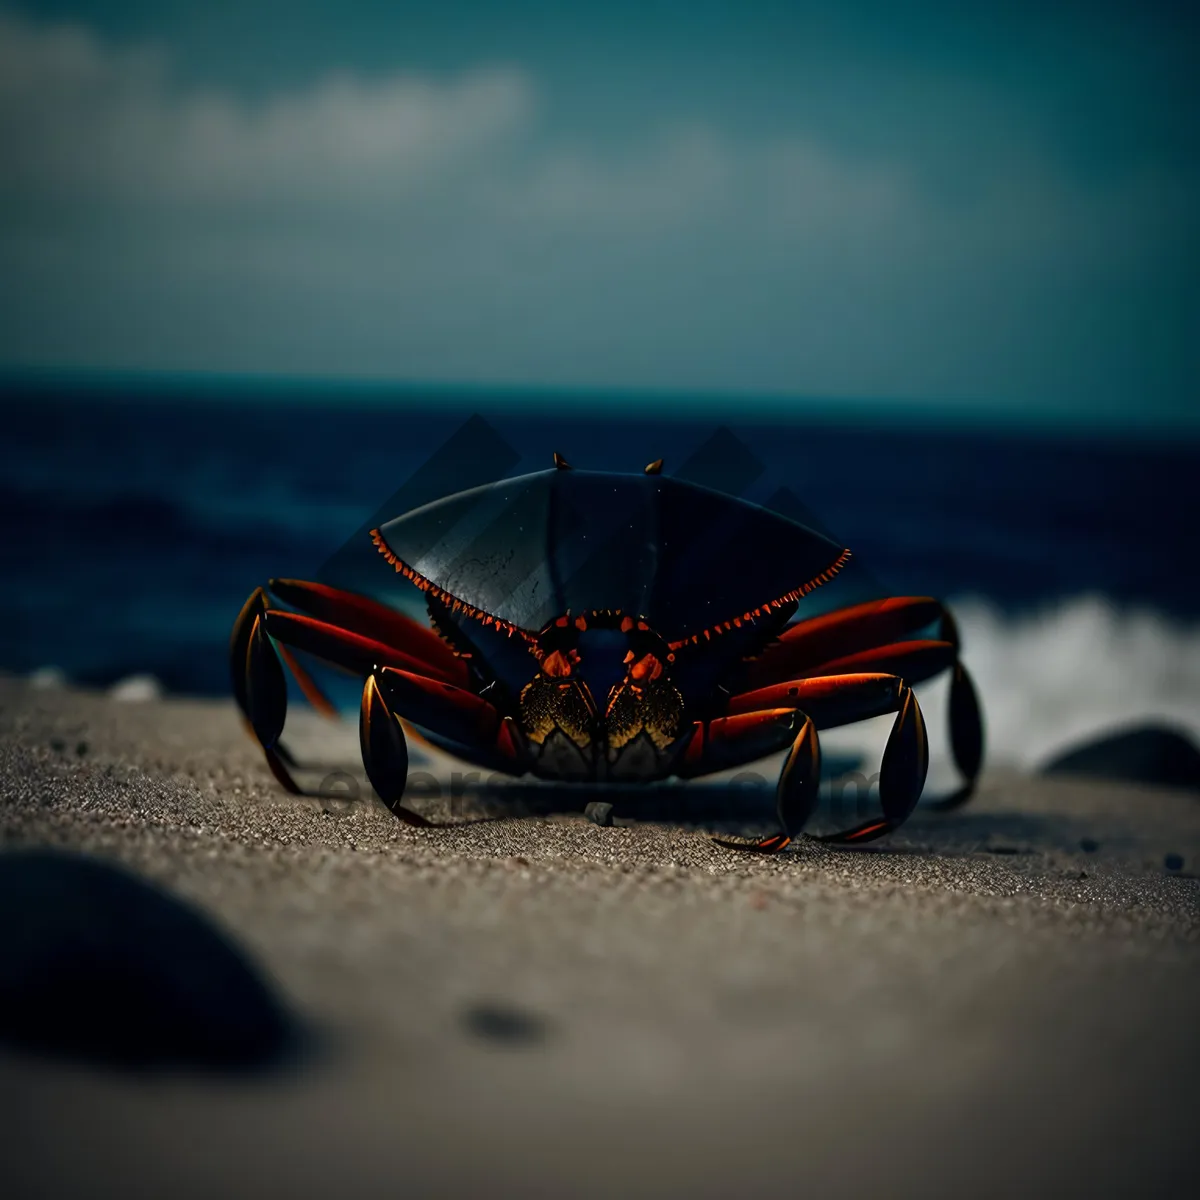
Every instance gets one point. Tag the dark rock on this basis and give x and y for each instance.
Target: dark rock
(1154, 754)
(599, 812)
(1173, 862)
(98, 966)
(81, 749)
(57, 745)
(503, 1024)
(1089, 845)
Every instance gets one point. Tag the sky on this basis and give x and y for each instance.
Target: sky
(982, 207)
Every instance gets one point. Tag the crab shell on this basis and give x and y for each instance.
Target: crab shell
(604, 611)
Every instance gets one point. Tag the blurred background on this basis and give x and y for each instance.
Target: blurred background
(931, 268)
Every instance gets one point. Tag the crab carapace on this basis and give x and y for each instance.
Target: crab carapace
(591, 626)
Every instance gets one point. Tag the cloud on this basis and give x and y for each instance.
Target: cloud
(80, 118)
(419, 227)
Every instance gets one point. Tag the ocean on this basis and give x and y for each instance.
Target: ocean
(137, 517)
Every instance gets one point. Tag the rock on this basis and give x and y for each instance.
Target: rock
(98, 966)
(1154, 754)
(599, 812)
(501, 1023)
(1173, 862)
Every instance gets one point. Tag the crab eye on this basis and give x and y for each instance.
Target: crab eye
(558, 664)
(646, 668)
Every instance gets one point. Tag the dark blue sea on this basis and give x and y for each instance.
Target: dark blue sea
(137, 516)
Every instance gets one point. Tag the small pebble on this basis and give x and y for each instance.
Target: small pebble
(502, 1024)
(1088, 845)
(1173, 862)
(57, 744)
(81, 749)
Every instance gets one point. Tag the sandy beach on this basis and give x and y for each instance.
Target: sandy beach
(999, 1001)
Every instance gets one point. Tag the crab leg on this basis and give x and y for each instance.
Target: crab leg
(448, 711)
(966, 736)
(506, 752)
(807, 645)
(373, 632)
(744, 737)
(385, 752)
(390, 696)
(845, 642)
(737, 739)
(259, 684)
(260, 688)
(830, 700)
(370, 619)
(914, 661)
(827, 702)
(901, 775)
(353, 652)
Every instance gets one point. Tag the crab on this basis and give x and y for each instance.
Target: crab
(616, 628)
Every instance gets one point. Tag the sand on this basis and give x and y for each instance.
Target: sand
(1000, 1001)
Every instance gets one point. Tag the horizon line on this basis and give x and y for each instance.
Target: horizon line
(755, 406)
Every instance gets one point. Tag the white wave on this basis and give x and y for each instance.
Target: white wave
(136, 689)
(1052, 678)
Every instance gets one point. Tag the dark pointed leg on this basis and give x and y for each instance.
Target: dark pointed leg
(966, 738)
(261, 689)
(745, 737)
(841, 700)
(239, 647)
(849, 641)
(266, 686)
(901, 775)
(385, 752)
(795, 794)
(256, 607)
